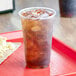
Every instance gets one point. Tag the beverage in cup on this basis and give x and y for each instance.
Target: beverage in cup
(37, 25)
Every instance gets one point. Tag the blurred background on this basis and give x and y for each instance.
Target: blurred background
(65, 20)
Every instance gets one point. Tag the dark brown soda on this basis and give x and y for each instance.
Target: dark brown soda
(37, 42)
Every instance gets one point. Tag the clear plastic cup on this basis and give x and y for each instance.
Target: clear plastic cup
(37, 33)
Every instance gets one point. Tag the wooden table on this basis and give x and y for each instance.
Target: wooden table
(64, 28)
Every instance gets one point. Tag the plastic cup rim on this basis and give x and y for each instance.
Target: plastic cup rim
(25, 9)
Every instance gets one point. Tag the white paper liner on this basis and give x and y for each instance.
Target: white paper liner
(9, 52)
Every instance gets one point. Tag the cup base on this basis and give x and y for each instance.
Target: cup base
(36, 67)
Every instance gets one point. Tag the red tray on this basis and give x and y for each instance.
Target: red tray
(63, 60)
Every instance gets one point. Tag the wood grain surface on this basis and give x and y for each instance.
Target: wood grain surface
(64, 28)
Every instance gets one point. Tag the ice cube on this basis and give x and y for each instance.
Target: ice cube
(36, 28)
(44, 15)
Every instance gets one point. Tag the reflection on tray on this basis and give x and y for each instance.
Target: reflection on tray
(37, 72)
